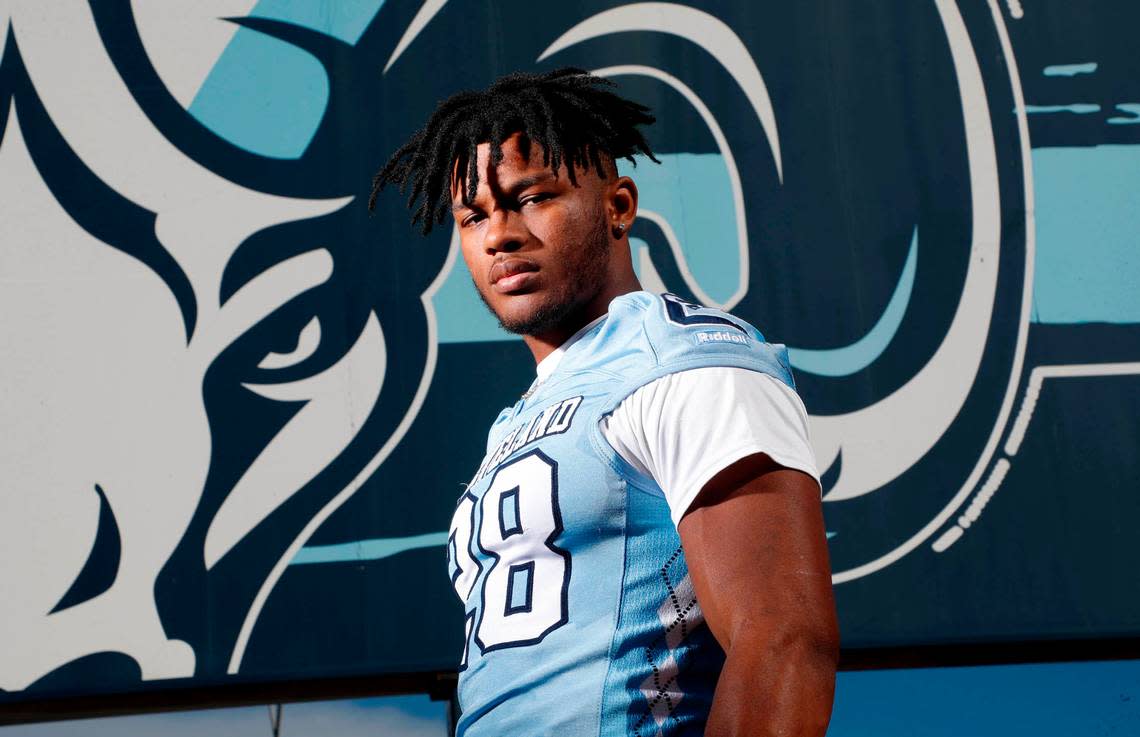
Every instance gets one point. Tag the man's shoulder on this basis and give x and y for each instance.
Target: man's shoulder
(669, 333)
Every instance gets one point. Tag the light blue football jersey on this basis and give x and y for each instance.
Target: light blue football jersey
(580, 614)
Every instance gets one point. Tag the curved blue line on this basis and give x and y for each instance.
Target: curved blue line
(863, 352)
(374, 549)
(1070, 70)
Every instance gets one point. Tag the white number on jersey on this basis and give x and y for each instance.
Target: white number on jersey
(524, 591)
(464, 568)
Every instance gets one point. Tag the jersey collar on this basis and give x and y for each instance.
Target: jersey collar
(547, 365)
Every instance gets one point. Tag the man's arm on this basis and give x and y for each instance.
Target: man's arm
(757, 554)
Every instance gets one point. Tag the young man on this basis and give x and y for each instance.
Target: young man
(642, 550)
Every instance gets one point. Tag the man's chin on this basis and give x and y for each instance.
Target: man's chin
(536, 318)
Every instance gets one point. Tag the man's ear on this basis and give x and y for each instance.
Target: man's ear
(622, 201)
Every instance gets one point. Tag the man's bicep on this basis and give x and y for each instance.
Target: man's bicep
(756, 550)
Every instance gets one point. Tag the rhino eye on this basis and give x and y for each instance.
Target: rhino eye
(307, 341)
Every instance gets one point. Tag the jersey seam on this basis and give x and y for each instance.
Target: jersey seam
(719, 360)
(611, 652)
(623, 468)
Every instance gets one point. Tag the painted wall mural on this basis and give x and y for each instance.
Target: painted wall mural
(238, 410)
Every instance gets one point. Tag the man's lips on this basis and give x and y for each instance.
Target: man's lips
(512, 274)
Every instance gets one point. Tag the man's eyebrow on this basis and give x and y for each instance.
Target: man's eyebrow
(511, 191)
(530, 181)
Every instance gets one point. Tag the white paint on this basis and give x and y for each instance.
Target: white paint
(974, 510)
(949, 537)
(261, 295)
(1023, 325)
(93, 363)
(426, 12)
(370, 468)
(307, 343)
(707, 31)
(742, 250)
(881, 441)
(1037, 377)
(715, 37)
(338, 401)
(4, 12)
(184, 40)
(650, 280)
(100, 359)
(682, 264)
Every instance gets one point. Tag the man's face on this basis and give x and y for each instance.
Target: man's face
(537, 247)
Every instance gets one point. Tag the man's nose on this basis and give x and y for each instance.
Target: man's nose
(505, 232)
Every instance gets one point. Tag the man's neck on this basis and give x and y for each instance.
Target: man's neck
(543, 345)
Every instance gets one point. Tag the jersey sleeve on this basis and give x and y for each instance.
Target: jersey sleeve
(683, 428)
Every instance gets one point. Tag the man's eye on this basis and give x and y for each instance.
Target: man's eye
(535, 198)
(471, 219)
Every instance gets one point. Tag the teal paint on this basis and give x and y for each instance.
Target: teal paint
(863, 352)
(692, 191)
(1087, 262)
(268, 96)
(1086, 266)
(1132, 108)
(343, 19)
(1069, 70)
(461, 317)
(373, 549)
(1080, 108)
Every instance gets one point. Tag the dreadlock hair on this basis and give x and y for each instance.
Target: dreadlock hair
(569, 112)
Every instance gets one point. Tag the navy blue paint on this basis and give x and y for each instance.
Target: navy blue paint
(870, 127)
(96, 207)
(102, 565)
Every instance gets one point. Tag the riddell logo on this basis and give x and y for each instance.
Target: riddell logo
(722, 336)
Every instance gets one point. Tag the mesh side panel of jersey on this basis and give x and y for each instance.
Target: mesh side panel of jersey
(665, 661)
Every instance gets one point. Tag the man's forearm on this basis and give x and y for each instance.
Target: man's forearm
(779, 686)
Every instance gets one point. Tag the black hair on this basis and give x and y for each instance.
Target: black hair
(569, 112)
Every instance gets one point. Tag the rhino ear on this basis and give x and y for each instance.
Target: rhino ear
(287, 177)
(93, 204)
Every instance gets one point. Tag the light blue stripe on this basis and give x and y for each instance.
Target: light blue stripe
(863, 352)
(1080, 108)
(1132, 108)
(1070, 70)
(268, 96)
(373, 549)
(1048, 700)
(1088, 263)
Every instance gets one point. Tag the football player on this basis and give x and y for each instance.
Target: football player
(642, 550)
